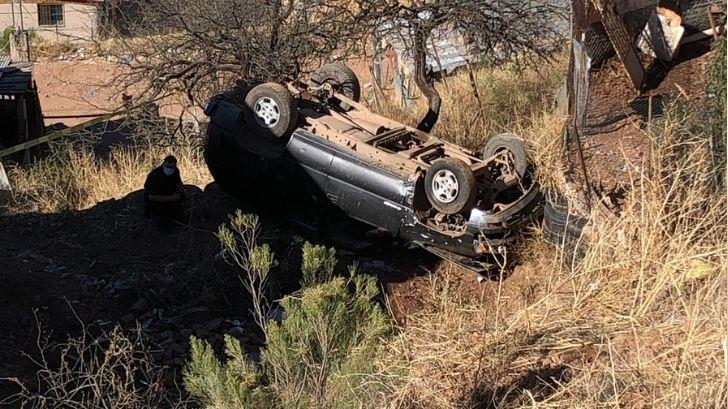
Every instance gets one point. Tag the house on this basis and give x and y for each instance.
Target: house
(52, 19)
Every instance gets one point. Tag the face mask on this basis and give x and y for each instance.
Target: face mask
(168, 171)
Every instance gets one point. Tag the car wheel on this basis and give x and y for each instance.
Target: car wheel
(271, 111)
(342, 79)
(511, 150)
(450, 185)
(562, 227)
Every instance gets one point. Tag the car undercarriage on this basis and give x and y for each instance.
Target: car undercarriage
(317, 141)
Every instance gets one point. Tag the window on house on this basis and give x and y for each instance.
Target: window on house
(50, 14)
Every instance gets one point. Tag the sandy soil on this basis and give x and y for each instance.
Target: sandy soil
(84, 87)
(615, 138)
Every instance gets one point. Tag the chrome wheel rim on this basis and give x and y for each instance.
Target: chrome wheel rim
(445, 186)
(267, 113)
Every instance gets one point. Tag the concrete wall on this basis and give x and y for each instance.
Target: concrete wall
(79, 20)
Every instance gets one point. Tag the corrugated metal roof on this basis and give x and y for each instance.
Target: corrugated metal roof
(14, 81)
(4, 61)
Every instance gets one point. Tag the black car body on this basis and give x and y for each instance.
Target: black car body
(314, 171)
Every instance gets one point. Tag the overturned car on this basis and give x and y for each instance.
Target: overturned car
(312, 145)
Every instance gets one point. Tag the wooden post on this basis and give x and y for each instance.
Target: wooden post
(476, 93)
(649, 115)
(20, 45)
(713, 26)
(621, 40)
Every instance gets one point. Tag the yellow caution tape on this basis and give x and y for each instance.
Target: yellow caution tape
(57, 134)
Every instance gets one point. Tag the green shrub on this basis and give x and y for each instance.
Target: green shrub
(239, 239)
(234, 384)
(5, 40)
(317, 265)
(323, 354)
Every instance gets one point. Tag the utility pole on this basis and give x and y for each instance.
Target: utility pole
(22, 26)
(20, 44)
(12, 12)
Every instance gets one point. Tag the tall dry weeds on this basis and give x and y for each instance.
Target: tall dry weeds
(74, 177)
(639, 321)
(511, 99)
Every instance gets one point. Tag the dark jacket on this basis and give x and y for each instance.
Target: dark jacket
(158, 183)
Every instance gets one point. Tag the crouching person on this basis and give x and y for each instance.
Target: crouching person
(163, 194)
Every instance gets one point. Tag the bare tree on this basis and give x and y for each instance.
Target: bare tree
(198, 47)
(502, 30)
(201, 46)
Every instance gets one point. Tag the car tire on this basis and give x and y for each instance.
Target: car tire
(342, 79)
(515, 147)
(271, 111)
(450, 185)
(563, 228)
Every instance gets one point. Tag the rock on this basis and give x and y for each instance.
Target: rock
(167, 342)
(54, 269)
(376, 265)
(100, 268)
(140, 305)
(178, 349)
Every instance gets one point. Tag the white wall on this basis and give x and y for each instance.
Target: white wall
(79, 21)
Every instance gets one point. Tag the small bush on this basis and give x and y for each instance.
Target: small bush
(113, 371)
(240, 241)
(317, 265)
(5, 40)
(234, 384)
(322, 355)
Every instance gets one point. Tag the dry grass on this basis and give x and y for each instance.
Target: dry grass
(73, 177)
(638, 322)
(512, 100)
(112, 370)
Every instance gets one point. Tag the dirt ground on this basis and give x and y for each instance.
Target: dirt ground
(83, 87)
(615, 138)
(107, 266)
(67, 88)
